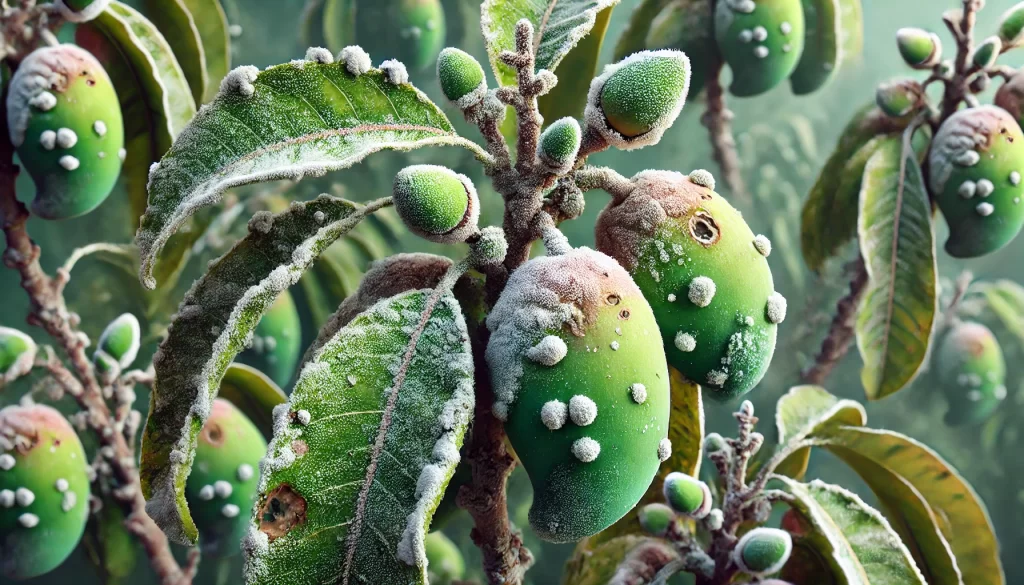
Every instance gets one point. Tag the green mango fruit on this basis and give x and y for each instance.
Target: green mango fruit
(277, 341)
(461, 77)
(17, 353)
(763, 551)
(975, 167)
(44, 490)
(580, 378)
(411, 31)
(222, 487)
(437, 203)
(686, 25)
(986, 53)
(761, 40)
(705, 275)
(900, 97)
(970, 368)
(445, 563)
(65, 121)
(919, 48)
(823, 46)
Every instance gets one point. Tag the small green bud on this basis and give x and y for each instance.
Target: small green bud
(17, 352)
(634, 101)
(120, 340)
(920, 49)
(490, 247)
(987, 52)
(687, 495)
(461, 76)
(763, 551)
(900, 97)
(656, 519)
(445, 563)
(80, 10)
(714, 443)
(437, 203)
(559, 144)
(1011, 26)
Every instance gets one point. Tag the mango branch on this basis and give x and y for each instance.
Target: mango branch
(717, 119)
(841, 331)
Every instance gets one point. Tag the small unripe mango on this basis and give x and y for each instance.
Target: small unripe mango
(559, 144)
(461, 77)
(437, 203)
(222, 486)
(580, 377)
(705, 275)
(421, 31)
(687, 495)
(277, 341)
(763, 551)
(919, 48)
(65, 120)
(761, 40)
(44, 490)
(656, 519)
(120, 341)
(17, 352)
(634, 101)
(971, 369)
(976, 163)
(1011, 26)
(445, 563)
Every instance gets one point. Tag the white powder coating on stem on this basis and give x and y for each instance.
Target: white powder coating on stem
(586, 449)
(553, 414)
(582, 410)
(638, 392)
(395, 72)
(84, 15)
(685, 342)
(319, 55)
(240, 80)
(775, 308)
(701, 291)
(355, 60)
(763, 245)
(664, 449)
(959, 137)
(549, 351)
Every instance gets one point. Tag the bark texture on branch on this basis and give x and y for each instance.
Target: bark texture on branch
(841, 332)
(718, 120)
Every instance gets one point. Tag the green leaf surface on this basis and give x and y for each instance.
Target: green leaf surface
(855, 540)
(214, 323)
(179, 28)
(212, 25)
(634, 37)
(156, 101)
(805, 411)
(254, 394)
(558, 25)
(388, 401)
(569, 97)
(303, 118)
(897, 242)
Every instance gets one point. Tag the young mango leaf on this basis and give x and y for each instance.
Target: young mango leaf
(214, 323)
(805, 411)
(289, 121)
(855, 540)
(254, 393)
(634, 37)
(558, 26)
(956, 507)
(179, 28)
(897, 242)
(156, 101)
(823, 49)
(364, 449)
(569, 97)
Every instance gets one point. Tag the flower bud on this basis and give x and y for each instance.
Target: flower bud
(559, 144)
(920, 49)
(763, 551)
(899, 98)
(17, 352)
(120, 341)
(461, 76)
(986, 53)
(490, 247)
(656, 519)
(1011, 26)
(687, 495)
(714, 443)
(437, 203)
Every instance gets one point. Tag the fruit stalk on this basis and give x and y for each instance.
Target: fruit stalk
(717, 119)
(47, 310)
(841, 332)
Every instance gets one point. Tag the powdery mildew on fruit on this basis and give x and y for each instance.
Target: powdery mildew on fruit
(958, 140)
(763, 245)
(553, 414)
(549, 351)
(586, 449)
(775, 308)
(638, 392)
(701, 291)
(664, 450)
(45, 70)
(685, 342)
(582, 410)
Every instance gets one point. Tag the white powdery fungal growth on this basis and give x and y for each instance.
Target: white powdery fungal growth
(582, 410)
(319, 55)
(967, 189)
(6, 462)
(100, 128)
(958, 138)
(664, 449)
(775, 309)
(229, 511)
(355, 60)
(45, 101)
(760, 51)
(763, 245)
(28, 520)
(61, 485)
(553, 414)
(244, 472)
(685, 342)
(48, 139)
(303, 417)
(1015, 178)
(549, 351)
(66, 138)
(985, 188)
(718, 377)
(395, 72)
(985, 209)
(222, 488)
(84, 15)
(703, 177)
(614, 345)
(240, 80)
(586, 449)
(6, 499)
(702, 291)
(24, 497)
(760, 33)
(68, 501)
(29, 88)
(638, 392)
(206, 493)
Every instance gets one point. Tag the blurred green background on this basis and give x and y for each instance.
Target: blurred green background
(783, 141)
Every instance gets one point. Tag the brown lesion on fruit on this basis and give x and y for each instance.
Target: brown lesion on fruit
(212, 434)
(282, 510)
(704, 230)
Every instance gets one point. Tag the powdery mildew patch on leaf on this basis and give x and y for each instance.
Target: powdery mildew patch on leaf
(348, 496)
(214, 323)
(558, 26)
(286, 122)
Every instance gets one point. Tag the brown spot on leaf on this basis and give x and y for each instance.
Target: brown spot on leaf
(299, 447)
(283, 510)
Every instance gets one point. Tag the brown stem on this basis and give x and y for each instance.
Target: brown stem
(718, 120)
(48, 311)
(963, 32)
(841, 332)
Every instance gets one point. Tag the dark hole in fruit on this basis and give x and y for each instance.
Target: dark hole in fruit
(90, 82)
(704, 229)
(283, 510)
(624, 314)
(612, 299)
(213, 434)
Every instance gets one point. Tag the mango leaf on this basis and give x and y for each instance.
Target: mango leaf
(156, 101)
(957, 509)
(805, 411)
(1005, 299)
(212, 24)
(179, 28)
(110, 548)
(214, 323)
(806, 566)
(634, 37)
(364, 450)
(855, 540)
(254, 393)
(599, 566)
(569, 97)
(289, 121)
(897, 242)
(558, 25)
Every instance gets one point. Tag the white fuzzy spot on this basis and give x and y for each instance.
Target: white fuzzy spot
(45, 101)
(763, 245)
(303, 417)
(582, 410)
(702, 291)
(967, 158)
(240, 80)
(355, 60)
(235, 30)
(1015, 178)
(121, 154)
(671, 298)
(222, 488)
(718, 377)
(68, 501)
(6, 462)
(48, 139)
(229, 510)
(554, 414)
(760, 51)
(66, 138)
(776, 308)
(549, 351)
(999, 393)
(985, 209)
(61, 485)
(101, 154)
(974, 395)
(28, 520)
(760, 33)
(100, 128)
(967, 189)
(319, 55)
(746, 36)
(69, 162)
(24, 497)
(786, 28)
(685, 342)
(787, 48)
(702, 177)
(614, 345)
(319, 217)
(985, 188)
(395, 72)
(638, 392)
(6, 498)
(206, 493)
(664, 449)
(586, 449)
(744, 6)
